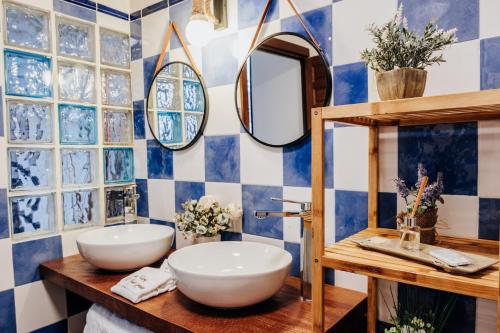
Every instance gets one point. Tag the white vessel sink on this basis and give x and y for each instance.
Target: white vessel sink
(230, 274)
(125, 247)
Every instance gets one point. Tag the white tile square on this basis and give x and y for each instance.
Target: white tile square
(137, 80)
(372, 87)
(386, 291)
(388, 158)
(489, 156)
(189, 164)
(141, 159)
(223, 117)
(7, 276)
(460, 72)
(350, 158)
(486, 315)
(154, 28)
(329, 217)
(113, 23)
(291, 225)
(226, 193)
(260, 165)
(77, 322)
(351, 281)
(489, 24)
(350, 21)
(161, 199)
(264, 240)
(38, 304)
(462, 215)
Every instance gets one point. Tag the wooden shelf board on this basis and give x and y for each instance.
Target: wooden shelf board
(347, 256)
(463, 107)
(173, 312)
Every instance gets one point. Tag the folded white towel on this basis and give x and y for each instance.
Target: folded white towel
(101, 320)
(146, 283)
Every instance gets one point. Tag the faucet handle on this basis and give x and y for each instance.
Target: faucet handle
(305, 206)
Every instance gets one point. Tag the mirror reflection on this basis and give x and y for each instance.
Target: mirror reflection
(282, 79)
(176, 106)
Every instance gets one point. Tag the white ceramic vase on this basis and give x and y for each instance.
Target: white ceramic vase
(199, 240)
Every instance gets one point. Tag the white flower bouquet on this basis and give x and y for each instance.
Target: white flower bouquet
(205, 217)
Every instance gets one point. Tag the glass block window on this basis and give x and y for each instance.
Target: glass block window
(27, 74)
(26, 27)
(75, 39)
(116, 52)
(68, 122)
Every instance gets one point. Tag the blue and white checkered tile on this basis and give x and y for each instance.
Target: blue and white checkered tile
(473, 189)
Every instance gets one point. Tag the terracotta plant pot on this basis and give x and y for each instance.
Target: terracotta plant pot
(427, 222)
(401, 83)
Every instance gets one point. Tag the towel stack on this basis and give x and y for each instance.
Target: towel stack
(101, 320)
(146, 283)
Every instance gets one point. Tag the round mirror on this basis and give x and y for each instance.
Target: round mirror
(177, 106)
(282, 79)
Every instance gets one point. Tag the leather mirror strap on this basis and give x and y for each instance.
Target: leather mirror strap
(173, 27)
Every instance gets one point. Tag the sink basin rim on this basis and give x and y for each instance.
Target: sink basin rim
(231, 275)
(84, 237)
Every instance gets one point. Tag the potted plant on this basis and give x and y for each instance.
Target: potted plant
(400, 56)
(427, 211)
(203, 220)
(417, 311)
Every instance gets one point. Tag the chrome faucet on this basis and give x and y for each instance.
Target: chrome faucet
(306, 241)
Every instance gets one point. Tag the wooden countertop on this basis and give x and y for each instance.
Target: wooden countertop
(173, 312)
(347, 256)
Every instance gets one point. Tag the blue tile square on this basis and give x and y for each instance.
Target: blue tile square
(350, 84)
(490, 63)
(8, 312)
(448, 14)
(160, 162)
(149, 66)
(187, 190)
(449, 148)
(231, 236)
(329, 158)
(387, 210)
(59, 327)
(294, 250)
(319, 21)
(74, 10)
(463, 316)
(250, 11)
(297, 163)
(139, 123)
(180, 14)
(4, 217)
(222, 158)
(256, 197)
(142, 202)
(220, 66)
(351, 213)
(136, 39)
(168, 224)
(28, 255)
(330, 276)
(489, 216)
(113, 12)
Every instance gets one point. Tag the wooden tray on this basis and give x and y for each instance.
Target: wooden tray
(391, 246)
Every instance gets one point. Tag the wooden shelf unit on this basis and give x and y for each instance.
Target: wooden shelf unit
(345, 255)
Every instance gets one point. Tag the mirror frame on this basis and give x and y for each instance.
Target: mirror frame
(205, 113)
(328, 86)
